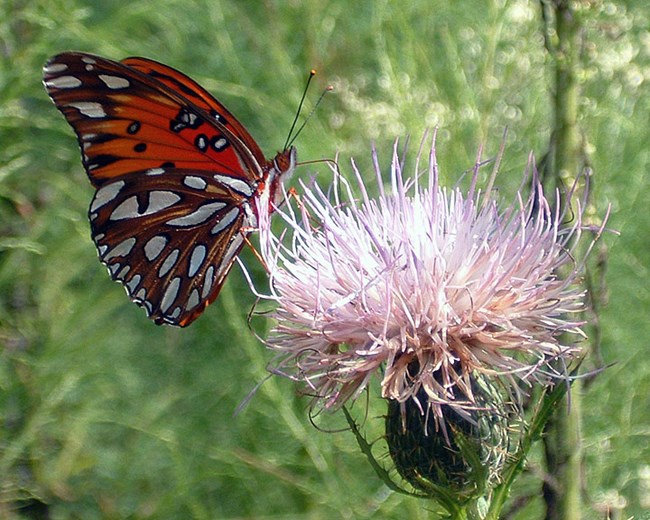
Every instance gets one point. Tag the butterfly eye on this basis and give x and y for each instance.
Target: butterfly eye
(175, 173)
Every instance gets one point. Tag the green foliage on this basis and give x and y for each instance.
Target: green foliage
(105, 415)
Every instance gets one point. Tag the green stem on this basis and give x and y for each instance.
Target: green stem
(564, 455)
(567, 157)
(563, 446)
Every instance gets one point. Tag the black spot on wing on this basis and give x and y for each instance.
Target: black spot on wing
(185, 119)
(100, 161)
(218, 117)
(219, 143)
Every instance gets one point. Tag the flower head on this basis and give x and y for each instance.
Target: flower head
(423, 287)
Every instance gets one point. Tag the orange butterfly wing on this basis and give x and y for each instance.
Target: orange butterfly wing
(175, 173)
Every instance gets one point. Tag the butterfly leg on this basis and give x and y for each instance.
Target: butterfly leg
(245, 232)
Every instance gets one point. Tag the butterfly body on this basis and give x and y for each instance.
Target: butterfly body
(177, 178)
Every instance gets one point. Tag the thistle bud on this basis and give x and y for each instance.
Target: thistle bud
(461, 451)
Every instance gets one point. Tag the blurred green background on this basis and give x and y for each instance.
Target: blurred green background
(105, 415)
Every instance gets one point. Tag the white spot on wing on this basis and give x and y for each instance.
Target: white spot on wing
(121, 249)
(250, 219)
(154, 247)
(133, 283)
(89, 109)
(193, 300)
(54, 68)
(170, 294)
(168, 263)
(220, 143)
(231, 251)
(207, 282)
(238, 185)
(155, 171)
(122, 274)
(106, 194)
(64, 82)
(196, 259)
(114, 82)
(199, 216)
(88, 59)
(225, 221)
(159, 200)
(127, 209)
(197, 183)
(146, 305)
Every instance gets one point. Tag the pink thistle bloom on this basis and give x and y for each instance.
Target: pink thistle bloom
(423, 287)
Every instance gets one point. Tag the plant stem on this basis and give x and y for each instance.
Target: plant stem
(563, 441)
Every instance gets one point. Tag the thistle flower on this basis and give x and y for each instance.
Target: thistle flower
(446, 282)
(432, 291)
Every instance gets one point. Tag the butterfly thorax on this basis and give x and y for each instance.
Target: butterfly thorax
(276, 171)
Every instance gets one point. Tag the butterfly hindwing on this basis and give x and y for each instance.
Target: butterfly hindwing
(170, 238)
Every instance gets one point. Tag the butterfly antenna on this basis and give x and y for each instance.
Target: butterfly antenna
(329, 88)
(312, 73)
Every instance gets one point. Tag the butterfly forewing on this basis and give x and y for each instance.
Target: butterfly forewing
(175, 174)
(127, 121)
(193, 92)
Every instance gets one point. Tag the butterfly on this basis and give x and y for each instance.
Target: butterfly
(177, 178)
